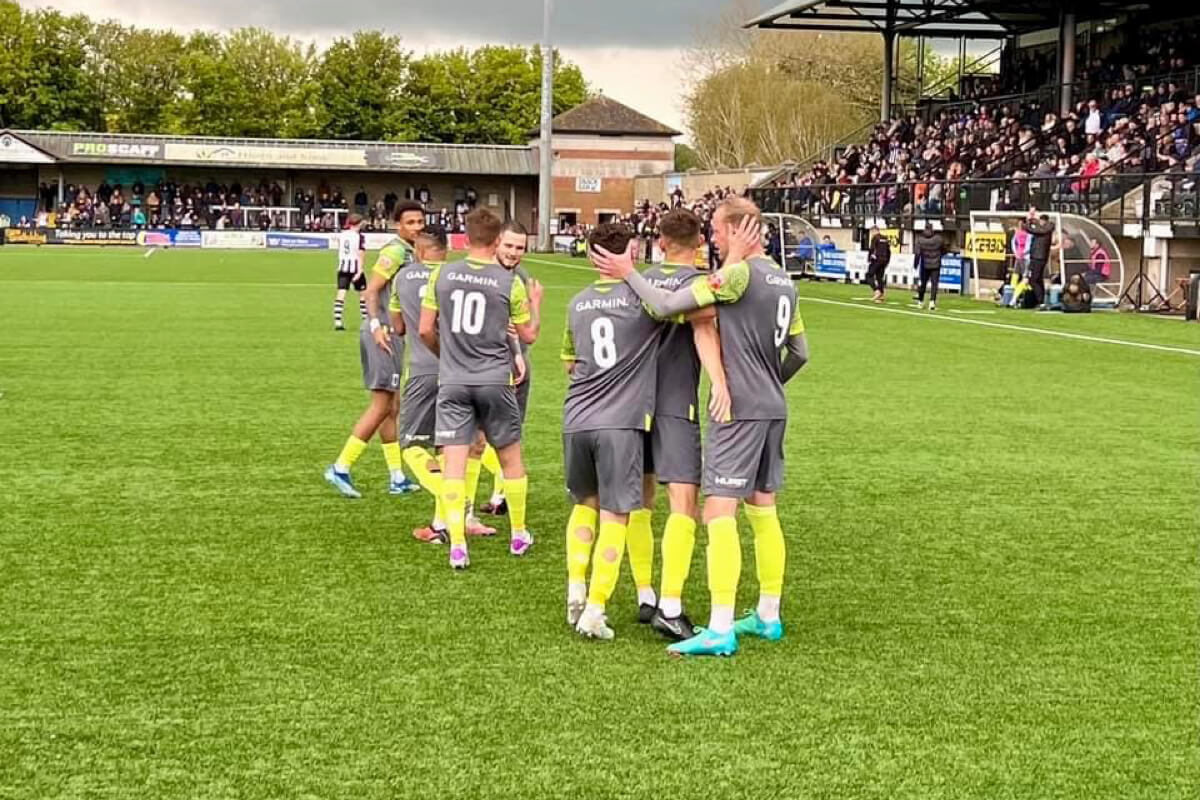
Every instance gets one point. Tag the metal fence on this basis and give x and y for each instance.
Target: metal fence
(1165, 198)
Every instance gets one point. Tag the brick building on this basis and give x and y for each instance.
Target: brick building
(600, 147)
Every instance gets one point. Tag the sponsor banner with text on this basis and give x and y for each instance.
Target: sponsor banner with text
(24, 236)
(145, 150)
(300, 241)
(234, 240)
(986, 246)
(296, 156)
(94, 237)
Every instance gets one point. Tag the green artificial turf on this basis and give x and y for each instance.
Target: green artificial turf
(992, 581)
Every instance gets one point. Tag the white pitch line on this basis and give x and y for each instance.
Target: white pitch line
(557, 264)
(1023, 328)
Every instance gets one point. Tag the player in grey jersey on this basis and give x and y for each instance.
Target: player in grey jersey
(675, 453)
(381, 351)
(514, 239)
(763, 346)
(465, 317)
(610, 347)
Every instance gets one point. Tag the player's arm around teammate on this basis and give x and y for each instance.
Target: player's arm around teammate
(744, 460)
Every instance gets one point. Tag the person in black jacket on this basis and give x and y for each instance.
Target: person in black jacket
(930, 248)
(1041, 232)
(879, 255)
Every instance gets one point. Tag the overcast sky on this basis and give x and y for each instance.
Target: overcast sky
(629, 49)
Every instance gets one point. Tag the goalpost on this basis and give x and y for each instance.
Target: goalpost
(1079, 244)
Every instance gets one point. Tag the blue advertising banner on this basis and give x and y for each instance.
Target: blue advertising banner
(952, 272)
(297, 241)
(185, 238)
(831, 264)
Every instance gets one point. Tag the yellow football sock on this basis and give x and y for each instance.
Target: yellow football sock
(516, 493)
(418, 464)
(606, 562)
(491, 462)
(393, 456)
(581, 532)
(353, 449)
(770, 553)
(724, 561)
(640, 541)
(454, 501)
(678, 541)
(473, 470)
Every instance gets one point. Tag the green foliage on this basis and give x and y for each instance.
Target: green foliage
(685, 158)
(68, 72)
(492, 94)
(361, 83)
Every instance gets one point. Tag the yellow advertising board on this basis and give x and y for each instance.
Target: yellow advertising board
(985, 246)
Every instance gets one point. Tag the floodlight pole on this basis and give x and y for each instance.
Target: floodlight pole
(546, 156)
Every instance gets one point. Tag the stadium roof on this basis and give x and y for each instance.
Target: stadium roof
(988, 19)
(199, 151)
(606, 117)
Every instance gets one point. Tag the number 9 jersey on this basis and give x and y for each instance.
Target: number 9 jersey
(613, 341)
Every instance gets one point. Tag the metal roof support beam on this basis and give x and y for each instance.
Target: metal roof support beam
(1066, 78)
(889, 58)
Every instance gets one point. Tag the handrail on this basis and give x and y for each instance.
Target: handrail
(907, 202)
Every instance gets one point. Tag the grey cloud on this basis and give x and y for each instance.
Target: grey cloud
(578, 23)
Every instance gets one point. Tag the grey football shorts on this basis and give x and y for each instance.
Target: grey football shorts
(523, 389)
(463, 411)
(675, 451)
(380, 370)
(744, 456)
(607, 465)
(418, 410)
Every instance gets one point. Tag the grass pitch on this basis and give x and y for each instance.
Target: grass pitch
(992, 581)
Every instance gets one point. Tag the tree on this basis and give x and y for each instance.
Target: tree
(685, 158)
(492, 94)
(361, 84)
(248, 83)
(67, 72)
(136, 72)
(766, 96)
(43, 79)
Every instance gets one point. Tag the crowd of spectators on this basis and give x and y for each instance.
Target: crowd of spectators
(917, 164)
(1133, 55)
(262, 206)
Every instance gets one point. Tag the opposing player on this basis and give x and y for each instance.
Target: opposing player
(352, 258)
(465, 316)
(514, 240)
(675, 459)
(382, 353)
(744, 455)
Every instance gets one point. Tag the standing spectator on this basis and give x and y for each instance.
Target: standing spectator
(1092, 126)
(649, 230)
(360, 201)
(879, 256)
(1041, 231)
(930, 248)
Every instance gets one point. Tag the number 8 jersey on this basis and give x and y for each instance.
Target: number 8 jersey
(475, 302)
(613, 341)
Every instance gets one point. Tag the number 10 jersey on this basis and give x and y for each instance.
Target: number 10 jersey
(475, 302)
(614, 344)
